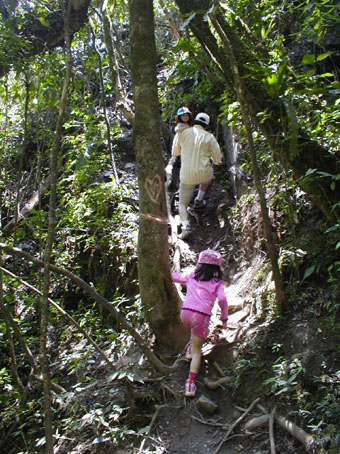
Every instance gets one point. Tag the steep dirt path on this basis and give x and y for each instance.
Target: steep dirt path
(198, 425)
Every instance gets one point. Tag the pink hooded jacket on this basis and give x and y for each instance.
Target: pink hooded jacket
(201, 295)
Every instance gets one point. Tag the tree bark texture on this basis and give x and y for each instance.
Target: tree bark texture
(159, 296)
(275, 127)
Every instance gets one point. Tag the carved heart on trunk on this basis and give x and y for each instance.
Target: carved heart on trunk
(153, 188)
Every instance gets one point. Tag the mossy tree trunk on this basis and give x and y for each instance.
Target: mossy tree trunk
(307, 154)
(159, 296)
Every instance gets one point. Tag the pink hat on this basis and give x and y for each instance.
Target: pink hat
(210, 257)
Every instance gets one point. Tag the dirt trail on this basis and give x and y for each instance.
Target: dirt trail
(186, 425)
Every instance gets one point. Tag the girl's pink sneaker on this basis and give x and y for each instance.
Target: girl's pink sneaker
(190, 388)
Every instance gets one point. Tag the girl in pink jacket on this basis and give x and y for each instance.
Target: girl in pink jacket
(204, 287)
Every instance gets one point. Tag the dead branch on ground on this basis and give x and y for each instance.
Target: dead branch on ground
(158, 409)
(271, 431)
(236, 423)
(208, 423)
(256, 422)
(306, 439)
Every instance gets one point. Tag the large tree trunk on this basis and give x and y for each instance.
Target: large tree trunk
(307, 154)
(159, 296)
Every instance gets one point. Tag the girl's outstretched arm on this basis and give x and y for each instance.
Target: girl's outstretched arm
(179, 278)
(222, 301)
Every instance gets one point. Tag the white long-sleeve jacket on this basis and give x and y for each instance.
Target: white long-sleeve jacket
(196, 146)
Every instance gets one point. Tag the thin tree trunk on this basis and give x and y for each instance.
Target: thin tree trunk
(268, 230)
(35, 372)
(170, 19)
(21, 161)
(102, 86)
(121, 103)
(281, 299)
(50, 236)
(10, 323)
(159, 296)
(14, 367)
(64, 314)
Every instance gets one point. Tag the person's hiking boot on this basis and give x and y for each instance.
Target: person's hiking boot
(186, 231)
(188, 353)
(190, 388)
(200, 204)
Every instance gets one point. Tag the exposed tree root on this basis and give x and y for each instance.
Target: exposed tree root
(216, 384)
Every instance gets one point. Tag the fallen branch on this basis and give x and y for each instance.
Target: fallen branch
(57, 388)
(159, 365)
(256, 422)
(169, 390)
(158, 409)
(271, 432)
(29, 206)
(236, 423)
(66, 315)
(306, 439)
(208, 423)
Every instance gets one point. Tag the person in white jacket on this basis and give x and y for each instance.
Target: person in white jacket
(197, 147)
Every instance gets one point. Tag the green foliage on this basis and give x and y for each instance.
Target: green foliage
(188, 77)
(99, 223)
(329, 406)
(324, 420)
(285, 382)
(95, 404)
(12, 47)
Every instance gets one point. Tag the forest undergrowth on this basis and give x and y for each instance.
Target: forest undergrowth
(264, 367)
